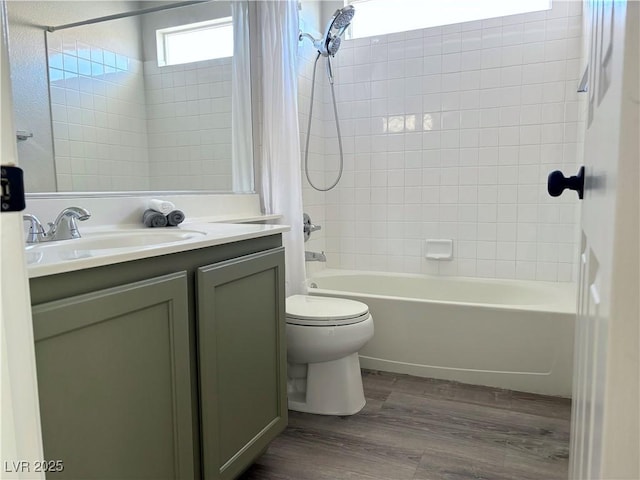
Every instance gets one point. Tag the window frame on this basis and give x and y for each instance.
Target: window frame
(511, 7)
(163, 36)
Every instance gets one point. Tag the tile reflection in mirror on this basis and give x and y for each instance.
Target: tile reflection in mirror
(119, 122)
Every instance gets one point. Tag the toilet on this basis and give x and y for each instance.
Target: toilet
(323, 338)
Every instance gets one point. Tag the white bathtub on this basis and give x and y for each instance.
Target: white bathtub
(503, 333)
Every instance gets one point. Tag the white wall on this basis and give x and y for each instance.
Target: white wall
(450, 132)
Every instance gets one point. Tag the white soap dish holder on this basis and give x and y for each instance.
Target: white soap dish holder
(438, 249)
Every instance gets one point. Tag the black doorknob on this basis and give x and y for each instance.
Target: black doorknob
(557, 182)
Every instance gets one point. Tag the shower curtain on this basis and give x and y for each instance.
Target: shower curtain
(280, 167)
(241, 143)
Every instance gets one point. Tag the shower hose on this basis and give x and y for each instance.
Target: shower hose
(335, 114)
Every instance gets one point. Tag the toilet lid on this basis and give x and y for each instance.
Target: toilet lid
(312, 310)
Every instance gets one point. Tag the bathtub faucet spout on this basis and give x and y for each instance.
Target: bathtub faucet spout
(314, 257)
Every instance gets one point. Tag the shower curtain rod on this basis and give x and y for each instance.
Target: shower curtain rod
(125, 14)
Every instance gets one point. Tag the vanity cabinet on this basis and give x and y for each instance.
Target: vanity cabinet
(113, 382)
(240, 352)
(171, 367)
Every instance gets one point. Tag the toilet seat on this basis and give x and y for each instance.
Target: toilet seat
(317, 311)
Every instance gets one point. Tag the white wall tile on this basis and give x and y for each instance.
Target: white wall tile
(451, 132)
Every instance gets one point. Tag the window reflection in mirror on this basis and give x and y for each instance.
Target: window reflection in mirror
(119, 121)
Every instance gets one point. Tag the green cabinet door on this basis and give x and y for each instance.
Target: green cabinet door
(114, 381)
(242, 360)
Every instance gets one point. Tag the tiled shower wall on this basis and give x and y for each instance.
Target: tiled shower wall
(189, 122)
(313, 201)
(98, 114)
(103, 105)
(450, 132)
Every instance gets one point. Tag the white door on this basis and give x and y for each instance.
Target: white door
(21, 440)
(606, 402)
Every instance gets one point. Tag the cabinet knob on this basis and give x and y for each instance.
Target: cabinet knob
(557, 183)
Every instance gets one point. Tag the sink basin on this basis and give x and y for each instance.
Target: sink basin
(95, 243)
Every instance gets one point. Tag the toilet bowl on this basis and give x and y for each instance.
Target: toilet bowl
(323, 338)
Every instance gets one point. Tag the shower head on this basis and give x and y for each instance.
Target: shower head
(340, 21)
(335, 29)
(329, 44)
(334, 45)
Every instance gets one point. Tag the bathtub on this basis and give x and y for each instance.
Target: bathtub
(509, 334)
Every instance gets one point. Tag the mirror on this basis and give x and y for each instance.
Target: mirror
(140, 103)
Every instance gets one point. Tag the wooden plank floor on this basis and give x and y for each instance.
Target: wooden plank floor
(423, 429)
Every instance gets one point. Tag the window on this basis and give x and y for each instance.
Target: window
(195, 42)
(379, 17)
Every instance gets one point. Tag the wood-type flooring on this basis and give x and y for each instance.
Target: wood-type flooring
(424, 429)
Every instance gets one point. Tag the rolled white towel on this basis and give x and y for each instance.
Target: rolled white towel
(162, 206)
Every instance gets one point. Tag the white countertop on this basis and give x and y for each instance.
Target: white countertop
(57, 258)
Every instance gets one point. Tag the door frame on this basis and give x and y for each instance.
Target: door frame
(21, 440)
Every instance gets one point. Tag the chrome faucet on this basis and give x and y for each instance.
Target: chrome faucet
(64, 227)
(36, 230)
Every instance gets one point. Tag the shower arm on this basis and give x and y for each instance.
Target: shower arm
(322, 49)
(304, 34)
(301, 36)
